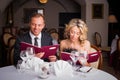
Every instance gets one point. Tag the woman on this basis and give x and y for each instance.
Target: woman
(76, 38)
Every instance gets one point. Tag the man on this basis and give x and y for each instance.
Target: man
(36, 24)
(113, 50)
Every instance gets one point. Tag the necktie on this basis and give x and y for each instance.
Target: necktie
(35, 39)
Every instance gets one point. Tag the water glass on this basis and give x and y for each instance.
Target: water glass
(18, 66)
(51, 68)
(83, 57)
(23, 55)
(30, 51)
(74, 57)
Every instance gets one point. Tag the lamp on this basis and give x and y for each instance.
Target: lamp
(112, 19)
(43, 1)
(113, 24)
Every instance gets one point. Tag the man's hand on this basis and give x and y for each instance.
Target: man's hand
(40, 55)
(52, 58)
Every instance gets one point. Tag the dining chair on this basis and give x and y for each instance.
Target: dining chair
(11, 43)
(11, 56)
(98, 39)
(5, 47)
(98, 43)
(97, 64)
(5, 38)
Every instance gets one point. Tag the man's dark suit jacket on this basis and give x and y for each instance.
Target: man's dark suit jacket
(46, 40)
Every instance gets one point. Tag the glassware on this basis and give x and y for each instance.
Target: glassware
(83, 57)
(18, 66)
(30, 51)
(51, 68)
(44, 72)
(86, 55)
(74, 57)
(23, 55)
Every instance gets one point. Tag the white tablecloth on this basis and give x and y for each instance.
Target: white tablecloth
(11, 73)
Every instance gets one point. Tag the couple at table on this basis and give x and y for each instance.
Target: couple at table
(75, 34)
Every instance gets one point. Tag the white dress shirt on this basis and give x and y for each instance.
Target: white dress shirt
(114, 44)
(38, 40)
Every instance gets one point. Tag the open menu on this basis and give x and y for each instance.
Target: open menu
(92, 56)
(49, 50)
(65, 56)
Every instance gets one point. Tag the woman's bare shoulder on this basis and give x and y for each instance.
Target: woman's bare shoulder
(87, 42)
(63, 41)
(63, 44)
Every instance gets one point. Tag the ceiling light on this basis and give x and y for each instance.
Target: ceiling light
(43, 1)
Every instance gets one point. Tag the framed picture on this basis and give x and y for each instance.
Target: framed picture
(97, 11)
(29, 11)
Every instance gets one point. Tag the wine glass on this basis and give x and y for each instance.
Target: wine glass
(51, 68)
(30, 51)
(23, 55)
(83, 57)
(73, 57)
(18, 66)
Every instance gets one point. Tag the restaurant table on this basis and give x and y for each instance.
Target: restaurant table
(11, 73)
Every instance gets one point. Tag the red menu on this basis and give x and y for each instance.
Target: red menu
(49, 50)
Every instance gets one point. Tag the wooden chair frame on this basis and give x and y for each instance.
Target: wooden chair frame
(100, 61)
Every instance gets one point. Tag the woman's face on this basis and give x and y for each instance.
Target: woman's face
(74, 33)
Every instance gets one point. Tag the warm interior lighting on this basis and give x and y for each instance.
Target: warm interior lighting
(112, 19)
(43, 1)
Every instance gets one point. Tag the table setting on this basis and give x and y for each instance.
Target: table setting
(34, 68)
(37, 66)
(83, 73)
(44, 70)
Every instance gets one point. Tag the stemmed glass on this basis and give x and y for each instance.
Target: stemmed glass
(30, 51)
(23, 55)
(83, 57)
(18, 66)
(74, 57)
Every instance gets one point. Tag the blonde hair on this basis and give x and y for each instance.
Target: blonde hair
(80, 24)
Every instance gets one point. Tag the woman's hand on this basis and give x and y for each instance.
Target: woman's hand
(52, 58)
(83, 61)
(40, 55)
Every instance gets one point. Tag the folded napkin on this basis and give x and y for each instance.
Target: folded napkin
(62, 68)
(33, 64)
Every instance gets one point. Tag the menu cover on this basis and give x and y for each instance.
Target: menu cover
(65, 56)
(49, 50)
(92, 56)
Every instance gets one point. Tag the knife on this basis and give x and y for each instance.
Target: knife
(89, 69)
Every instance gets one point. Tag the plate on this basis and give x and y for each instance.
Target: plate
(43, 76)
(85, 69)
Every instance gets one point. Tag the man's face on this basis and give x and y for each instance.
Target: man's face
(36, 25)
